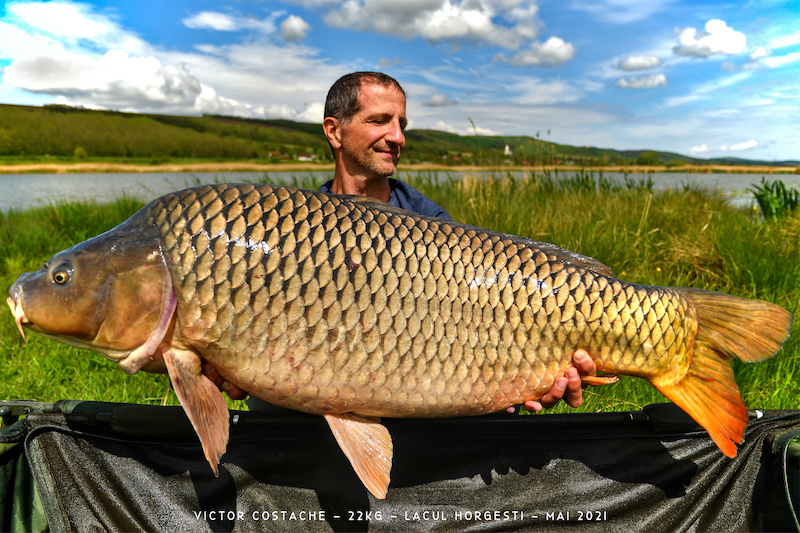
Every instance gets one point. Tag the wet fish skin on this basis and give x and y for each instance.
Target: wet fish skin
(326, 305)
(351, 309)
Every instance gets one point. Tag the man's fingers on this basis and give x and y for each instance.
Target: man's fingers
(555, 393)
(584, 363)
(574, 392)
(234, 392)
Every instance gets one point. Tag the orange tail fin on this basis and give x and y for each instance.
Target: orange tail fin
(749, 330)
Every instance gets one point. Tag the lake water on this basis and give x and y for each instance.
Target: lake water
(22, 191)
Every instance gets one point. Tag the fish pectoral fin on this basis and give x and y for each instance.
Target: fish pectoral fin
(368, 446)
(202, 401)
(594, 381)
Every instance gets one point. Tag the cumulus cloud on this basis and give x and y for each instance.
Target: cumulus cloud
(643, 82)
(639, 62)
(699, 149)
(552, 52)
(441, 125)
(506, 23)
(294, 28)
(114, 80)
(716, 38)
(108, 67)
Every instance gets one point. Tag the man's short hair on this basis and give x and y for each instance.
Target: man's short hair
(342, 102)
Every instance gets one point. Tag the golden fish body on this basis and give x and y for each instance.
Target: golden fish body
(348, 308)
(330, 305)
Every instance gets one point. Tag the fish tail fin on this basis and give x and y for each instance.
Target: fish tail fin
(728, 327)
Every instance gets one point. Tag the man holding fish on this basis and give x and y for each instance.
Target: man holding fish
(365, 121)
(353, 309)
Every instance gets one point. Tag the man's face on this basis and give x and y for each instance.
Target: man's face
(373, 139)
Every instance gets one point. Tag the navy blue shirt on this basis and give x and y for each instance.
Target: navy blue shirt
(406, 197)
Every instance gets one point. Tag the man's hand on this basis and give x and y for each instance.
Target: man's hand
(233, 391)
(568, 387)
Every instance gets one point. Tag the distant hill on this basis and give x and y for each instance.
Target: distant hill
(69, 132)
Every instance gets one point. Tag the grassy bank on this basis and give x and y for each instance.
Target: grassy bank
(684, 238)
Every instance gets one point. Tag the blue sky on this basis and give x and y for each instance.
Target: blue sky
(705, 79)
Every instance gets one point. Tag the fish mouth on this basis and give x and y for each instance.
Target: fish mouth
(19, 314)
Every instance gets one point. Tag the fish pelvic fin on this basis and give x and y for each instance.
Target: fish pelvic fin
(202, 401)
(728, 327)
(368, 446)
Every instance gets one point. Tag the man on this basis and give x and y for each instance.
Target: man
(365, 121)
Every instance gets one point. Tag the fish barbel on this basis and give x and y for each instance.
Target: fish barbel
(351, 309)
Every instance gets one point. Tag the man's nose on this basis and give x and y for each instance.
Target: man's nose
(395, 134)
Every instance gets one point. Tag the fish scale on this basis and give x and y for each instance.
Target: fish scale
(351, 309)
(343, 285)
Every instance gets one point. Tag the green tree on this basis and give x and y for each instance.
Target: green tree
(648, 157)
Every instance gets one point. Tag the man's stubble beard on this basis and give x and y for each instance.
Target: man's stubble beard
(369, 165)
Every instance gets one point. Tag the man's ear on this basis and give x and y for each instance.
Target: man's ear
(333, 131)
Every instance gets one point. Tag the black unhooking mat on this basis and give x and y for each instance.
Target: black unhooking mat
(121, 467)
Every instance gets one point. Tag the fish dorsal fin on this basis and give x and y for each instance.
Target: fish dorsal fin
(576, 259)
(368, 446)
(202, 401)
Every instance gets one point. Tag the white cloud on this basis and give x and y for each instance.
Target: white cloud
(744, 146)
(639, 62)
(114, 80)
(552, 52)
(64, 20)
(117, 70)
(699, 149)
(716, 38)
(212, 20)
(15, 42)
(788, 40)
(780, 61)
(505, 23)
(441, 125)
(759, 52)
(209, 20)
(643, 82)
(294, 28)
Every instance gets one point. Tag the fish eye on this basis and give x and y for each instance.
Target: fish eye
(62, 274)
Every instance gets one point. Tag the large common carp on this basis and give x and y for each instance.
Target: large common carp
(351, 309)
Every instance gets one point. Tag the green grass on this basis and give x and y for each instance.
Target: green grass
(684, 238)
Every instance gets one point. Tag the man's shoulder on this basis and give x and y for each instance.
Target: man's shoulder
(409, 198)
